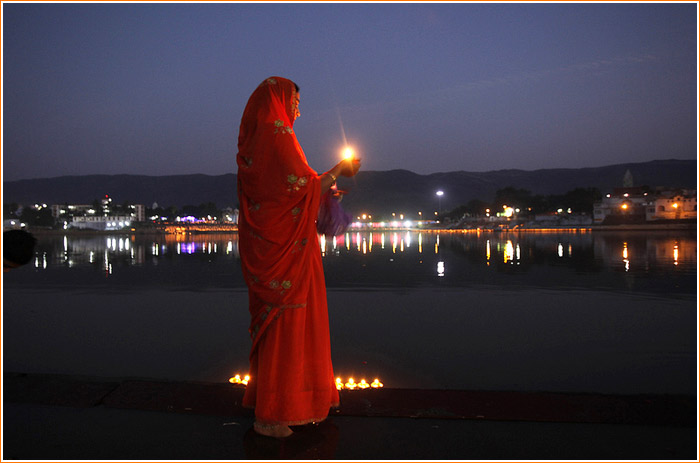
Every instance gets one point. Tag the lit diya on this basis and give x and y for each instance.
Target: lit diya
(348, 152)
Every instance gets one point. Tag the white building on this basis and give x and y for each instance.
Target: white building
(101, 223)
(85, 216)
(633, 205)
(624, 204)
(676, 205)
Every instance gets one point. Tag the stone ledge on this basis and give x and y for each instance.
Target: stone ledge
(225, 400)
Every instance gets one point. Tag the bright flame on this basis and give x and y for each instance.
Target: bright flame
(348, 153)
(237, 380)
(352, 385)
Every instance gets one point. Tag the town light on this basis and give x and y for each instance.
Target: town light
(439, 194)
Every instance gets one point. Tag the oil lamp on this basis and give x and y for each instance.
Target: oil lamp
(348, 152)
(237, 380)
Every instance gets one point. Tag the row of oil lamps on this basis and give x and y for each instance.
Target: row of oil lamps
(350, 385)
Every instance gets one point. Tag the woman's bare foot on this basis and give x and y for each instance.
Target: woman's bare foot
(272, 430)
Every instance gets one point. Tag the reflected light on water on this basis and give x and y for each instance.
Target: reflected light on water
(509, 252)
(441, 269)
(675, 254)
(322, 243)
(651, 252)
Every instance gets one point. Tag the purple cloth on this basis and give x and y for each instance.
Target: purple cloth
(332, 219)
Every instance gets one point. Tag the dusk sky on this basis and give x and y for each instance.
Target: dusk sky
(159, 89)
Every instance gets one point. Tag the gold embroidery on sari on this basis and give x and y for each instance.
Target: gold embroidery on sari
(296, 183)
(280, 127)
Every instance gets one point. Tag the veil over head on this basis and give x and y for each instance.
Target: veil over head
(279, 197)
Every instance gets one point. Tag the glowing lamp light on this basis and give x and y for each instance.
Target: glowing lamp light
(237, 380)
(348, 153)
(624, 206)
(675, 205)
(352, 385)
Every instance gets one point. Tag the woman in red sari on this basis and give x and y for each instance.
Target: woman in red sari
(291, 374)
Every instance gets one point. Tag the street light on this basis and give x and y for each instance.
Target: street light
(439, 194)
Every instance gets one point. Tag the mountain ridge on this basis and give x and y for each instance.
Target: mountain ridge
(378, 192)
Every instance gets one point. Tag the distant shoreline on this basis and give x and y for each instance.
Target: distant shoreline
(579, 228)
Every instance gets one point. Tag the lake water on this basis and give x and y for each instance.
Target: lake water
(598, 311)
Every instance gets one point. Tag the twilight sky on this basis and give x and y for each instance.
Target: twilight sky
(159, 89)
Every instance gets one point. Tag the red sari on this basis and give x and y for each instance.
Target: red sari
(290, 361)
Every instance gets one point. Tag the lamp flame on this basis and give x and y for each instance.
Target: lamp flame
(237, 380)
(348, 153)
(376, 384)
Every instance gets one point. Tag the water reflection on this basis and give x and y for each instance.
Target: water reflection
(454, 257)
(106, 252)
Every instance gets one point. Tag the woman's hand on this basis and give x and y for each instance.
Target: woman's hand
(349, 167)
(345, 168)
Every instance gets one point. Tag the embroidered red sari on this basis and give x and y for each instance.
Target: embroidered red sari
(290, 361)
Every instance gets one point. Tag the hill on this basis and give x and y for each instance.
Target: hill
(377, 192)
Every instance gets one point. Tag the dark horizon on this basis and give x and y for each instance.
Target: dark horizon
(370, 191)
(367, 171)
